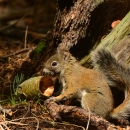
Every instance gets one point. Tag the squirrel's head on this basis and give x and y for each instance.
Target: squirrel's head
(55, 64)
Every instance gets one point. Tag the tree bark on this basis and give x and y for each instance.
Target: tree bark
(78, 26)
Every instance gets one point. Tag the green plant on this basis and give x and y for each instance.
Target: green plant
(14, 95)
(41, 45)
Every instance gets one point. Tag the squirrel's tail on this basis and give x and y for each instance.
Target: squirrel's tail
(116, 75)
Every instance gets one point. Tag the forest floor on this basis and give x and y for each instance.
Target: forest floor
(16, 44)
(23, 114)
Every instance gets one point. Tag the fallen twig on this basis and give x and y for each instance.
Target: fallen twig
(78, 116)
(28, 118)
(7, 111)
(1, 128)
(4, 123)
(11, 122)
(16, 53)
(67, 124)
(25, 42)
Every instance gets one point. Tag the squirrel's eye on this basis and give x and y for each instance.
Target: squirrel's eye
(54, 63)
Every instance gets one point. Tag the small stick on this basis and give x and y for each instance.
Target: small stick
(16, 53)
(1, 128)
(25, 43)
(7, 111)
(14, 123)
(89, 116)
(27, 118)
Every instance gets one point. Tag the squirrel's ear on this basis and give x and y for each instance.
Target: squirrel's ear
(66, 55)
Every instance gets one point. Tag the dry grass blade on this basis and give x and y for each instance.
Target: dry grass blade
(13, 122)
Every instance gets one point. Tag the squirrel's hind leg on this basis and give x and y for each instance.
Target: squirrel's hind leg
(97, 104)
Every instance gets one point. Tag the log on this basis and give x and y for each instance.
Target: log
(78, 116)
(117, 41)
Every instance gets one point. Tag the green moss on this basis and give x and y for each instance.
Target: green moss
(39, 50)
(40, 47)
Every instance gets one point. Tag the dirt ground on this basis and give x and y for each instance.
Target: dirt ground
(19, 35)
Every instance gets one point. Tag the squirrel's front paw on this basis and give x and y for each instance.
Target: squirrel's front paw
(51, 99)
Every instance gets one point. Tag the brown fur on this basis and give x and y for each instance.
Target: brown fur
(87, 85)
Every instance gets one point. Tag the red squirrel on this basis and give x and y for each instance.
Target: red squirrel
(87, 85)
(92, 86)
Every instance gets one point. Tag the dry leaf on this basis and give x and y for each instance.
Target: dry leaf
(37, 86)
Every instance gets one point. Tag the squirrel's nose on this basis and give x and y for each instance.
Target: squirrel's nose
(47, 72)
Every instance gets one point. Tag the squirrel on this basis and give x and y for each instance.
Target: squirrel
(87, 85)
(116, 75)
